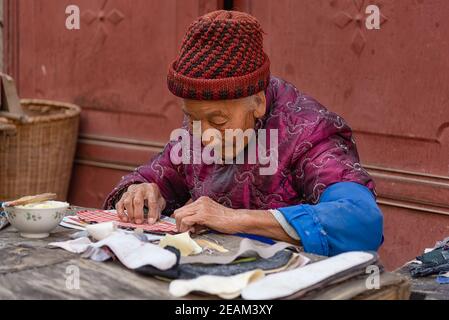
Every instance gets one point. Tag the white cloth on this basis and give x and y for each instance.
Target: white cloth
(286, 283)
(134, 253)
(76, 246)
(224, 287)
(100, 231)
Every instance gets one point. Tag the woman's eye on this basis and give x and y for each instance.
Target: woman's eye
(218, 122)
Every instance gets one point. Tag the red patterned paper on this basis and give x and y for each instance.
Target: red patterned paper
(99, 216)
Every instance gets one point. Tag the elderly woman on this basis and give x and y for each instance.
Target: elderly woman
(318, 196)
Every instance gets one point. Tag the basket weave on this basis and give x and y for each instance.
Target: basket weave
(38, 156)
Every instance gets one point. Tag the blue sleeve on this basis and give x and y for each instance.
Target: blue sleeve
(346, 218)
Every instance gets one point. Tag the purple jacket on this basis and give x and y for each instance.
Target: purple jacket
(316, 150)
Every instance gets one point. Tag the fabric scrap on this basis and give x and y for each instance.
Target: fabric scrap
(98, 254)
(78, 245)
(287, 283)
(224, 287)
(100, 231)
(247, 248)
(442, 280)
(282, 260)
(442, 244)
(165, 225)
(186, 245)
(433, 262)
(134, 253)
(206, 244)
(79, 234)
(444, 274)
(423, 270)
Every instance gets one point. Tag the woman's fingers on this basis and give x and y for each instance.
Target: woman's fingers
(120, 207)
(182, 214)
(138, 203)
(187, 223)
(154, 212)
(133, 202)
(128, 203)
(155, 205)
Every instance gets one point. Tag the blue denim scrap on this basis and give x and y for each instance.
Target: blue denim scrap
(442, 279)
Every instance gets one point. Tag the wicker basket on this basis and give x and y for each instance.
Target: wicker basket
(36, 151)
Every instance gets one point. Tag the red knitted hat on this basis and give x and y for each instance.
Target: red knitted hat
(221, 57)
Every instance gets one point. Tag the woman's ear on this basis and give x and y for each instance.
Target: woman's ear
(261, 104)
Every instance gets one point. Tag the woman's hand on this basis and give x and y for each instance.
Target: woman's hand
(134, 200)
(206, 213)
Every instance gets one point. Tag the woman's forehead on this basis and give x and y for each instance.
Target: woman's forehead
(211, 108)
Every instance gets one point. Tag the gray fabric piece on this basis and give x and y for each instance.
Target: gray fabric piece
(97, 254)
(284, 224)
(247, 248)
(191, 271)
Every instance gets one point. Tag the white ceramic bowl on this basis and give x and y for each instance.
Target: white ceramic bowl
(36, 221)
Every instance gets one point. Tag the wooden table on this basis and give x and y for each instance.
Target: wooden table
(31, 270)
(425, 288)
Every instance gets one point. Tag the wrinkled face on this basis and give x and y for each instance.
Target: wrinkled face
(225, 114)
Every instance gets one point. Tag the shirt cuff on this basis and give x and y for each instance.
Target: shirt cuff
(284, 224)
(308, 226)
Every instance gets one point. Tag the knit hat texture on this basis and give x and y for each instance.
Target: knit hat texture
(221, 57)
